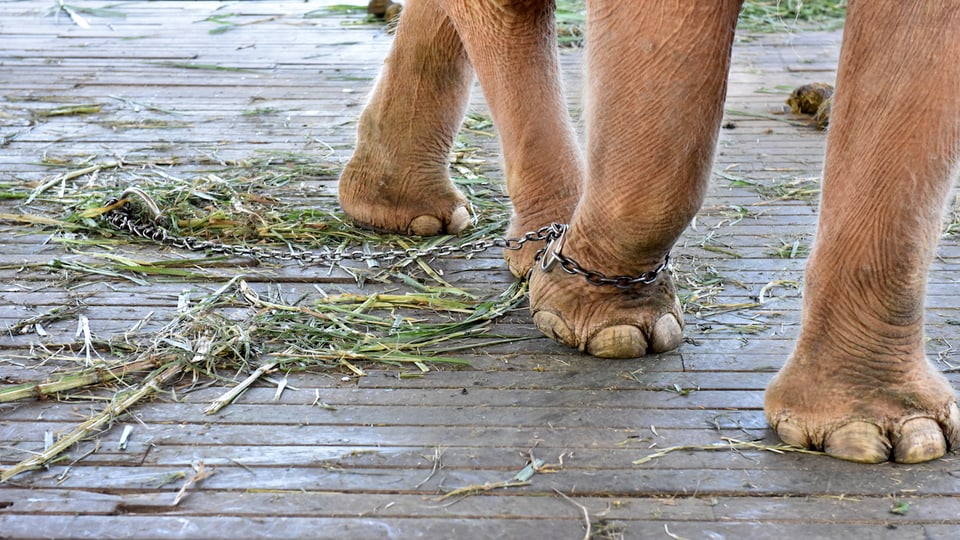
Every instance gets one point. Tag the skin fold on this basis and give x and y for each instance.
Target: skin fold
(858, 384)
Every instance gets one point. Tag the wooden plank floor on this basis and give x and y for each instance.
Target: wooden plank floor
(375, 463)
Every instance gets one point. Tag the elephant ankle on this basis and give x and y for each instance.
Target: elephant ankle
(553, 256)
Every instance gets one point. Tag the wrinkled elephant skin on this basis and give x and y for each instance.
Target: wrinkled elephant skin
(858, 384)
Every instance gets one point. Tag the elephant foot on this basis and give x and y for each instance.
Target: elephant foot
(605, 320)
(868, 411)
(406, 198)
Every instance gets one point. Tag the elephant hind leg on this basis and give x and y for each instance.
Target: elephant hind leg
(858, 384)
(397, 178)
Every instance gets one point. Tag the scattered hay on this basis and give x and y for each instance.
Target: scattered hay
(71, 110)
(466, 491)
(791, 249)
(781, 15)
(789, 189)
(384, 13)
(953, 219)
(226, 24)
(755, 16)
(186, 343)
(146, 123)
(521, 479)
(201, 473)
(204, 67)
(571, 20)
(281, 200)
(68, 382)
(587, 524)
(340, 332)
(74, 12)
(765, 116)
(698, 287)
(728, 444)
(31, 324)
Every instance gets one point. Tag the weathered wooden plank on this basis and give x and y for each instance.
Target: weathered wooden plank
(738, 275)
(507, 397)
(755, 267)
(423, 415)
(650, 482)
(602, 377)
(384, 433)
(706, 333)
(716, 351)
(226, 527)
(424, 458)
(15, 501)
(627, 510)
(333, 528)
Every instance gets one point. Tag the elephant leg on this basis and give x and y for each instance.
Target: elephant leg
(397, 178)
(657, 82)
(858, 384)
(512, 45)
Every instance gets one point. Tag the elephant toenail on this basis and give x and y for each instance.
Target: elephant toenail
(951, 425)
(459, 220)
(667, 334)
(791, 433)
(622, 341)
(862, 442)
(553, 327)
(920, 440)
(426, 226)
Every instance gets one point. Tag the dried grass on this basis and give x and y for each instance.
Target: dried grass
(271, 200)
(728, 444)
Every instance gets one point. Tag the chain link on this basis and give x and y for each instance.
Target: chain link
(551, 255)
(123, 217)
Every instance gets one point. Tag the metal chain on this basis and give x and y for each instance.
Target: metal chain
(122, 217)
(550, 255)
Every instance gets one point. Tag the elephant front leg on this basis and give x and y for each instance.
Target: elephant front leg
(858, 384)
(657, 82)
(512, 45)
(397, 178)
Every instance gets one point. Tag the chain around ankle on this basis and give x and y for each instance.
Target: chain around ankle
(551, 255)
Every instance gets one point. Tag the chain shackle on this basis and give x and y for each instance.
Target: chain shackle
(551, 255)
